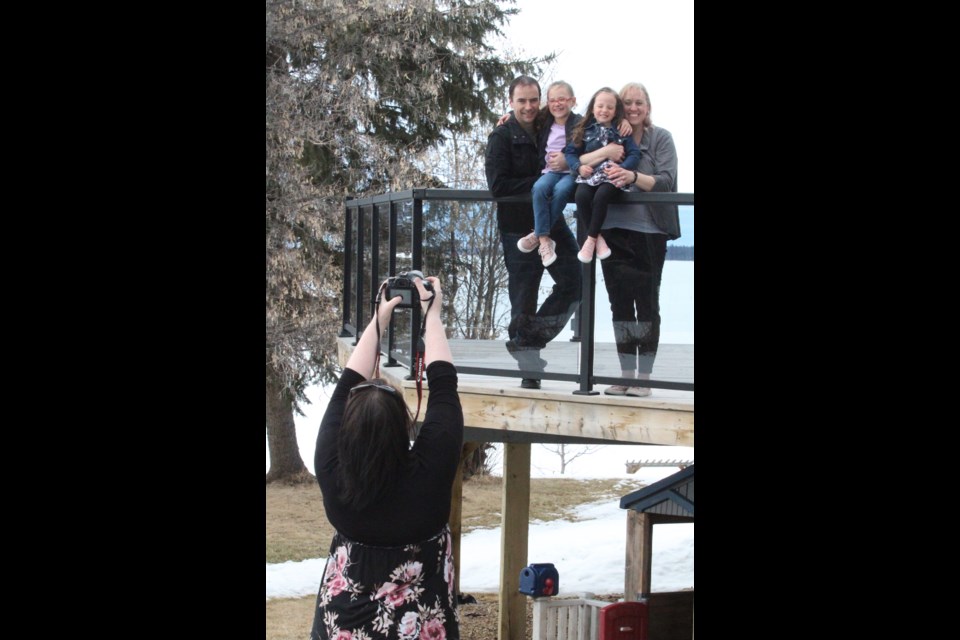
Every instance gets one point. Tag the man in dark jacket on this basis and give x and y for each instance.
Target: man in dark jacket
(514, 161)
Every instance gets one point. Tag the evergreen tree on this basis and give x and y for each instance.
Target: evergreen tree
(355, 89)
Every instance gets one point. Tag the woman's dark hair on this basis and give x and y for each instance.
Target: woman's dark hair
(588, 118)
(374, 444)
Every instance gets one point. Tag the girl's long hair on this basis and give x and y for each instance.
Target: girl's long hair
(374, 445)
(589, 119)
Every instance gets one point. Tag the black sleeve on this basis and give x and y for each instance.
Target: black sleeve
(440, 439)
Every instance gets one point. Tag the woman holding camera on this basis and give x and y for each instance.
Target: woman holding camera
(390, 572)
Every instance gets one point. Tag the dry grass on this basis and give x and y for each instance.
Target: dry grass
(297, 529)
(550, 499)
(291, 618)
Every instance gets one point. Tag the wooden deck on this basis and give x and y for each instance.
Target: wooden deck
(497, 409)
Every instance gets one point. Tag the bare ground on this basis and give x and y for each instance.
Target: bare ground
(291, 618)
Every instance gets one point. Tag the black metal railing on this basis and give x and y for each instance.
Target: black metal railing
(384, 235)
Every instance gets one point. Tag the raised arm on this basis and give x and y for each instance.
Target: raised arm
(364, 355)
(435, 344)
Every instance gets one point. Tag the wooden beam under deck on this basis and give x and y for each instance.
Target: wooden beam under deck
(512, 618)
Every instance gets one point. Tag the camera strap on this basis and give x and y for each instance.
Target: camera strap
(421, 354)
(418, 357)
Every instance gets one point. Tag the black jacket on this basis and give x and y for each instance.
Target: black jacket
(513, 164)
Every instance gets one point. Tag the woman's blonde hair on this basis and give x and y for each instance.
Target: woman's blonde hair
(648, 121)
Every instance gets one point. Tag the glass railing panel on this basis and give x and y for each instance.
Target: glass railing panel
(351, 282)
(461, 243)
(404, 236)
(366, 213)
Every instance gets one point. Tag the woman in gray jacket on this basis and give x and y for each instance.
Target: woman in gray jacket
(637, 238)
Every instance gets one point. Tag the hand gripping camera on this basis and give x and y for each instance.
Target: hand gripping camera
(403, 285)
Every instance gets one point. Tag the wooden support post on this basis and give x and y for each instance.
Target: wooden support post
(513, 540)
(456, 510)
(639, 555)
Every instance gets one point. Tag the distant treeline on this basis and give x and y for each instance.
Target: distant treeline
(679, 252)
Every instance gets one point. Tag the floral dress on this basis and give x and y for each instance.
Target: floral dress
(395, 593)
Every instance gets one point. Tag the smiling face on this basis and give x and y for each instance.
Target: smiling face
(560, 103)
(636, 107)
(604, 107)
(525, 103)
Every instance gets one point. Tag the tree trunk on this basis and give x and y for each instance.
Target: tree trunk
(286, 465)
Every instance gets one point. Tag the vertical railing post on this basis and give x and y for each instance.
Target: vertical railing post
(587, 318)
(374, 258)
(392, 271)
(575, 320)
(359, 292)
(418, 265)
(348, 256)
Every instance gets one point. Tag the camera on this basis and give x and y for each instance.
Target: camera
(403, 285)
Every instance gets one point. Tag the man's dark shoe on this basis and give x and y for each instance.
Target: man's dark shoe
(527, 357)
